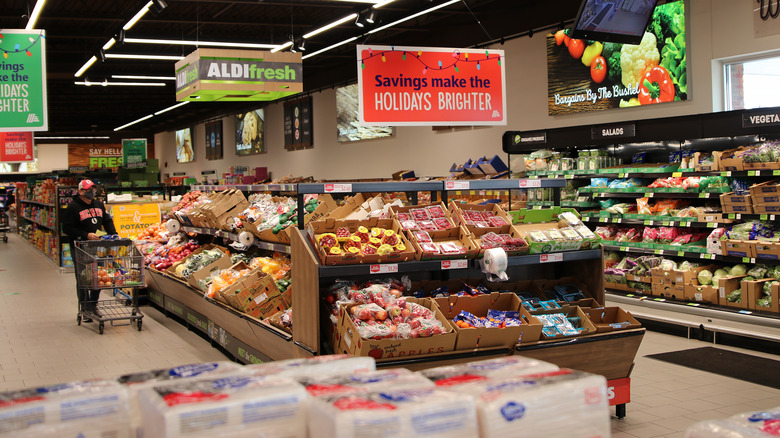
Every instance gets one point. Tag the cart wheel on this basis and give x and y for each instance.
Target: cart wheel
(134, 312)
(78, 319)
(100, 328)
(140, 323)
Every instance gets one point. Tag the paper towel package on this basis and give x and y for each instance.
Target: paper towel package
(563, 403)
(318, 365)
(748, 425)
(368, 381)
(510, 366)
(147, 379)
(426, 412)
(237, 406)
(87, 409)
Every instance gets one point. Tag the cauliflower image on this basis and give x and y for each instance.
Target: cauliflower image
(634, 60)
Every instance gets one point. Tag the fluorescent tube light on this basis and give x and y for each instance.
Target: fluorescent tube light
(86, 65)
(134, 122)
(330, 26)
(99, 137)
(282, 47)
(147, 57)
(35, 14)
(384, 3)
(413, 16)
(199, 43)
(109, 44)
(137, 16)
(347, 41)
(152, 78)
(172, 107)
(121, 84)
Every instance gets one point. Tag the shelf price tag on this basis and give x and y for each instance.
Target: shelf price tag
(551, 258)
(658, 252)
(603, 219)
(457, 185)
(338, 188)
(648, 223)
(764, 217)
(712, 225)
(620, 220)
(694, 304)
(703, 195)
(526, 183)
(384, 269)
(680, 253)
(568, 177)
(454, 264)
(775, 172)
(751, 173)
(624, 248)
(622, 175)
(660, 300)
(745, 259)
(676, 174)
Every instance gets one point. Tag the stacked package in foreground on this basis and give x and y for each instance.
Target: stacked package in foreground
(748, 425)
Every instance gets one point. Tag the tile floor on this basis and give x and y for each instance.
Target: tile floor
(41, 344)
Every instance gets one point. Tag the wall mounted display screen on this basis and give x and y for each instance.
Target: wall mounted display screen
(298, 124)
(214, 140)
(185, 150)
(619, 21)
(349, 129)
(594, 75)
(249, 133)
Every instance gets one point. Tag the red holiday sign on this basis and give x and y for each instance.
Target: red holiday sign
(16, 147)
(425, 86)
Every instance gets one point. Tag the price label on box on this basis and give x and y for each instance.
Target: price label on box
(384, 269)
(338, 188)
(551, 258)
(454, 264)
(526, 183)
(457, 185)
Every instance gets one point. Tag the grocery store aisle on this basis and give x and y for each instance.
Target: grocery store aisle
(41, 344)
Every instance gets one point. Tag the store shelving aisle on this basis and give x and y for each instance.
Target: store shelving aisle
(41, 344)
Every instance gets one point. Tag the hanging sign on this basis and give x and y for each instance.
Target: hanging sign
(755, 119)
(298, 124)
(131, 219)
(627, 130)
(426, 86)
(134, 152)
(23, 81)
(16, 147)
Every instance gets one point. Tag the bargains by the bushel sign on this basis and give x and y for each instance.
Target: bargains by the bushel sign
(410, 86)
(16, 147)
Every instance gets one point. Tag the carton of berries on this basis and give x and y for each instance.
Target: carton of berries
(346, 242)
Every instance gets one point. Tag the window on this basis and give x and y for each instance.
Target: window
(752, 83)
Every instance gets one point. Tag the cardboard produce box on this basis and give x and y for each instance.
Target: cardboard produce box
(732, 203)
(767, 250)
(739, 248)
(661, 277)
(525, 230)
(750, 290)
(568, 312)
(688, 276)
(458, 235)
(408, 213)
(755, 295)
(351, 343)
(701, 294)
(547, 291)
(607, 319)
(766, 208)
(204, 273)
(481, 337)
(477, 235)
(671, 291)
(255, 294)
(460, 216)
(698, 167)
(325, 205)
(767, 188)
(727, 285)
(317, 228)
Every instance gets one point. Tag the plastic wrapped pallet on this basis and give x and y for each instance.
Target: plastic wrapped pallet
(318, 365)
(147, 379)
(564, 403)
(748, 425)
(368, 381)
(510, 366)
(93, 408)
(426, 412)
(237, 406)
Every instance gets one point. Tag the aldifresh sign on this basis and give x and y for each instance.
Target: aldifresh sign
(430, 86)
(207, 75)
(23, 81)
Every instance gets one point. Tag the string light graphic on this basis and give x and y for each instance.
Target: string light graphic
(440, 66)
(17, 47)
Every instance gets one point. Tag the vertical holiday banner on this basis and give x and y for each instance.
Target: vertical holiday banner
(134, 152)
(16, 147)
(23, 81)
(428, 86)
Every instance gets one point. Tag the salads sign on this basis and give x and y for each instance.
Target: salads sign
(592, 75)
(424, 86)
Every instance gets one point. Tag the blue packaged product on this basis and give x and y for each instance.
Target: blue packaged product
(573, 297)
(440, 292)
(740, 187)
(550, 304)
(599, 182)
(550, 332)
(639, 157)
(675, 157)
(575, 321)
(528, 305)
(469, 318)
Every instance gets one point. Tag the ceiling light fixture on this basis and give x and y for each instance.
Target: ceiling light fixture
(145, 57)
(172, 107)
(134, 122)
(347, 41)
(151, 78)
(137, 16)
(105, 83)
(302, 45)
(359, 21)
(384, 3)
(120, 37)
(109, 44)
(198, 43)
(413, 16)
(157, 7)
(371, 17)
(102, 55)
(282, 47)
(86, 65)
(330, 26)
(35, 14)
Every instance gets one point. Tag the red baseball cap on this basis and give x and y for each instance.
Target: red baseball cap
(86, 184)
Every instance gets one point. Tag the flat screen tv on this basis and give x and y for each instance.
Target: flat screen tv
(618, 21)
(185, 151)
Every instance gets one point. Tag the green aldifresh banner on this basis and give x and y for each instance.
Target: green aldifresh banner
(133, 152)
(23, 81)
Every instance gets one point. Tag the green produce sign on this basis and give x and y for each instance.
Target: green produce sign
(133, 151)
(592, 75)
(23, 81)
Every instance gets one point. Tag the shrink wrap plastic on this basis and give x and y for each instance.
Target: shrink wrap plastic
(565, 404)
(318, 365)
(427, 412)
(391, 379)
(748, 425)
(238, 406)
(87, 409)
(510, 366)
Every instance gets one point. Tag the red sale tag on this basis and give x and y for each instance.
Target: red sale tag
(338, 188)
(526, 183)
(550, 258)
(454, 264)
(384, 269)
(457, 185)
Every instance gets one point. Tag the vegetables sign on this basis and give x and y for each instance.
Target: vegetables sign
(592, 75)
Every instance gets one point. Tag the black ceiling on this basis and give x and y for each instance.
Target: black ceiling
(77, 29)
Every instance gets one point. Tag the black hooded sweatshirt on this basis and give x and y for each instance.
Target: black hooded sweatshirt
(81, 219)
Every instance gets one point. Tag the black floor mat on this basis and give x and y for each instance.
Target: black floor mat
(727, 363)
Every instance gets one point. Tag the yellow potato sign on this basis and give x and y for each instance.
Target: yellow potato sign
(131, 219)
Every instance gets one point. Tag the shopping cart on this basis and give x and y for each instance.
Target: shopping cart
(109, 264)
